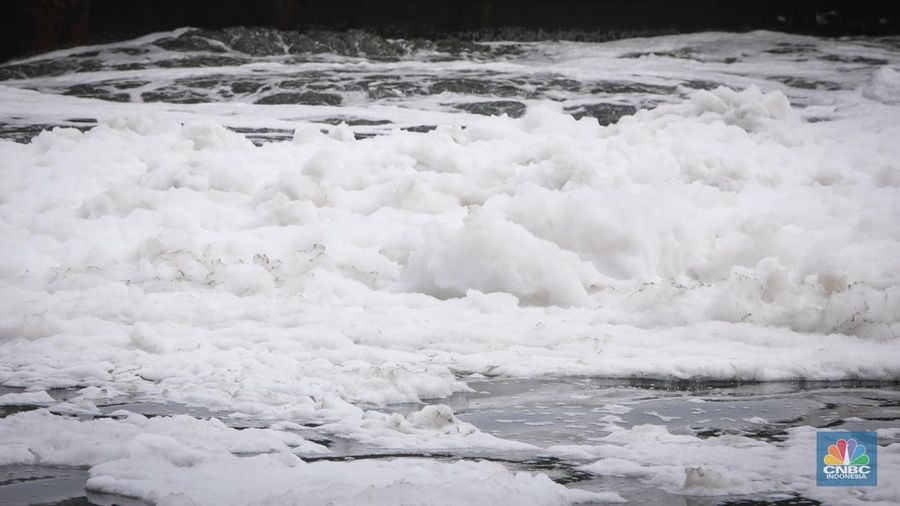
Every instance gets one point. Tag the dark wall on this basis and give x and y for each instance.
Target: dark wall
(31, 26)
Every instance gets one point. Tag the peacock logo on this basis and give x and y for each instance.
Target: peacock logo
(846, 452)
(846, 459)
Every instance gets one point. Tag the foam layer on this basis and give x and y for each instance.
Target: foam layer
(314, 280)
(722, 237)
(173, 461)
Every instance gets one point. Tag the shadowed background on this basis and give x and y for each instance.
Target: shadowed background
(32, 26)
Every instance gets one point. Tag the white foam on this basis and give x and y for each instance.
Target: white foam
(26, 398)
(280, 479)
(883, 86)
(691, 240)
(726, 465)
(173, 460)
(318, 279)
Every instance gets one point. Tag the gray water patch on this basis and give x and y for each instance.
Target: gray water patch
(17, 408)
(32, 484)
(806, 84)
(511, 108)
(544, 412)
(306, 97)
(475, 86)
(353, 121)
(175, 96)
(420, 128)
(627, 87)
(604, 113)
(100, 91)
(700, 84)
(580, 410)
(23, 132)
(857, 59)
(684, 53)
(26, 132)
(260, 136)
(108, 407)
(188, 61)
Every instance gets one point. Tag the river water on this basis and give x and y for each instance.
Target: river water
(559, 411)
(375, 85)
(665, 303)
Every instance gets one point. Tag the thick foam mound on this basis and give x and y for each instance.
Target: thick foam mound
(883, 86)
(720, 237)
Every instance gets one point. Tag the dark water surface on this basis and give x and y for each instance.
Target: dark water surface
(556, 411)
(264, 81)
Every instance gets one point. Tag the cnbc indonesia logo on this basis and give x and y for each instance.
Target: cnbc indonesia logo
(846, 459)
